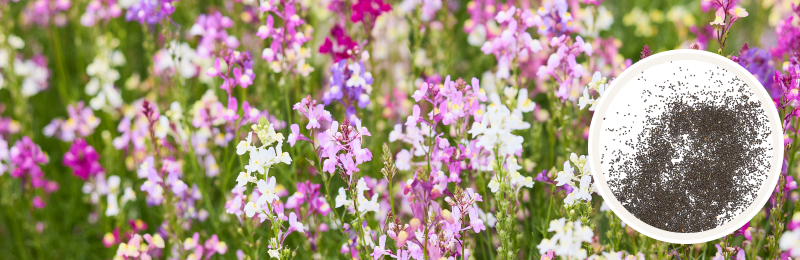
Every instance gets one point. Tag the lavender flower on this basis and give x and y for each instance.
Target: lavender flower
(150, 11)
(212, 29)
(351, 84)
(81, 123)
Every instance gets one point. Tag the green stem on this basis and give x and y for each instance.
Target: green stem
(55, 41)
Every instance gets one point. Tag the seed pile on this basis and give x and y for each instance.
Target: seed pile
(700, 157)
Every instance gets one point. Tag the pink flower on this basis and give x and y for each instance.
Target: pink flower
(295, 135)
(380, 250)
(474, 221)
(244, 79)
(38, 202)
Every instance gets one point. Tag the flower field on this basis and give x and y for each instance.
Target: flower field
(350, 129)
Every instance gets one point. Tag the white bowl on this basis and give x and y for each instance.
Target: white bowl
(626, 89)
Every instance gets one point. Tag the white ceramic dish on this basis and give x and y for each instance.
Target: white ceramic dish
(626, 89)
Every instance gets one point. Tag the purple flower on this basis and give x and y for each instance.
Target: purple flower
(25, 159)
(83, 159)
(150, 11)
(349, 84)
(81, 123)
(788, 35)
(213, 35)
(554, 18)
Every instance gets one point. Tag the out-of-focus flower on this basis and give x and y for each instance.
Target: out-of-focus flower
(43, 12)
(643, 21)
(80, 123)
(103, 74)
(212, 29)
(100, 10)
(788, 34)
(150, 11)
(83, 159)
(285, 51)
(351, 85)
(368, 10)
(33, 73)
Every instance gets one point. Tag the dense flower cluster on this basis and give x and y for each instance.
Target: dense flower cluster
(286, 49)
(44, 12)
(567, 240)
(150, 11)
(103, 74)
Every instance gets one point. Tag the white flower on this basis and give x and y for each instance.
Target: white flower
(586, 99)
(251, 208)
(599, 84)
(112, 209)
(396, 133)
(281, 155)
(361, 186)
(570, 199)
(791, 241)
(245, 145)
(494, 186)
(259, 159)
(403, 161)
(341, 199)
(16, 42)
(128, 195)
(565, 176)
(267, 191)
(512, 166)
(355, 79)
(546, 245)
(524, 103)
(567, 240)
(585, 191)
(365, 205)
(274, 253)
(244, 178)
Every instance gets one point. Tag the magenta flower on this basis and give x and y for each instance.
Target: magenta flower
(83, 159)
(744, 231)
(369, 9)
(341, 47)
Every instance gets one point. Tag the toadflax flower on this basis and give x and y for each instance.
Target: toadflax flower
(568, 239)
(83, 159)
